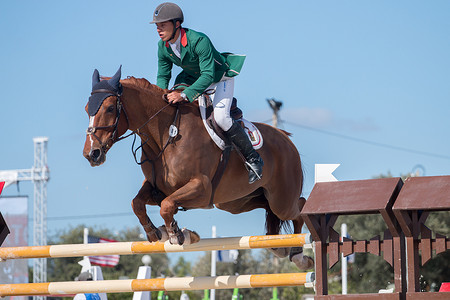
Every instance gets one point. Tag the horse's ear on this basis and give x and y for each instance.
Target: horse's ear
(95, 78)
(114, 81)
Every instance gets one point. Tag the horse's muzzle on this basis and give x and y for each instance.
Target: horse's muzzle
(96, 157)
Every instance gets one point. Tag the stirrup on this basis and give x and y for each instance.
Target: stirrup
(251, 169)
(253, 174)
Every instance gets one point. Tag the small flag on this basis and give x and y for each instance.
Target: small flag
(227, 255)
(104, 260)
(324, 172)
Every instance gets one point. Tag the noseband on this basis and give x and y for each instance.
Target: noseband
(92, 129)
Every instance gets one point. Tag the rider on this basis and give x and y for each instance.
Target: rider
(203, 68)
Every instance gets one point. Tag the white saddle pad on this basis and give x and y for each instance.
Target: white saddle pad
(252, 132)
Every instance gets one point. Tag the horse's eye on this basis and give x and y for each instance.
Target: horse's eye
(110, 108)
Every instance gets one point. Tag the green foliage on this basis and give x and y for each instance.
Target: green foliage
(182, 268)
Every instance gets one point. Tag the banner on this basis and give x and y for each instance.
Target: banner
(15, 212)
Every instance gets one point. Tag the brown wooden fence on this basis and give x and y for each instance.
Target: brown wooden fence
(403, 206)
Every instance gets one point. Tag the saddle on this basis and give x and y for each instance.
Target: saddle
(216, 132)
(235, 113)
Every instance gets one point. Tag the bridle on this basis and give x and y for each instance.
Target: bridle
(113, 138)
(173, 131)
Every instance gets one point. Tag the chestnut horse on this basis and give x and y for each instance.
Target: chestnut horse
(180, 159)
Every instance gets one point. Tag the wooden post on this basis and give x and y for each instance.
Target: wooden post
(418, 197)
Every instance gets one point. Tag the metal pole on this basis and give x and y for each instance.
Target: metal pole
(40, 175)
(213, 264)
(275, 119)
(40, 178)
(275, 105)
(344, 261)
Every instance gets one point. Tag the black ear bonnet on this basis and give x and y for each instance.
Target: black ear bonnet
(102, 90)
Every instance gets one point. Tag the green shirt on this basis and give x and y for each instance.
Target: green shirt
(202, 64)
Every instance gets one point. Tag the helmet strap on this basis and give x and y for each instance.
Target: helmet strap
(174, 29)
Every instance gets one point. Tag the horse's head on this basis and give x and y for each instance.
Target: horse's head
(107, 120)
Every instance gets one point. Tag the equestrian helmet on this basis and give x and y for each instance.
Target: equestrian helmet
(167, 11)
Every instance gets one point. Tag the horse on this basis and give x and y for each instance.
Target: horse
(179, 160)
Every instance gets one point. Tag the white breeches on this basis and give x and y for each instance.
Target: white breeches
(221, 101)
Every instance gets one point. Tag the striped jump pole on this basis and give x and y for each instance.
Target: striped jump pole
(157, 284)
(124, 248)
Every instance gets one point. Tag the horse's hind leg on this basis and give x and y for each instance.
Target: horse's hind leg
(303, 262)
(146, 195)
(273, 225)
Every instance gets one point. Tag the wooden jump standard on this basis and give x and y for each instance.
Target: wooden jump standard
(404, 208)
(158, 284)
(124, 248)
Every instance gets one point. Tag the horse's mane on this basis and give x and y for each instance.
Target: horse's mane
(143, 84)
(140, 83)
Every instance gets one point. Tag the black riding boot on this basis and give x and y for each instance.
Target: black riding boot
(254, 162)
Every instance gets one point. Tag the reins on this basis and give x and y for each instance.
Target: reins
(136, 131)
(173, 132)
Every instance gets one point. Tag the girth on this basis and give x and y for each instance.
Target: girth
(236, 115)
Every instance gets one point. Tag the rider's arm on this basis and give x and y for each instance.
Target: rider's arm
(204, 50)
(164, 68)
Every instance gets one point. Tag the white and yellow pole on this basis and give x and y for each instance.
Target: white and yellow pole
(125, 248)
(157, 284)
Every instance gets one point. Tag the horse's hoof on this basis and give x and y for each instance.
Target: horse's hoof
(154, 235)
(303, 262)
(164, 235)
(190, 237)
(195, 238)
(180, 237)
(177, 238)
(280, 252)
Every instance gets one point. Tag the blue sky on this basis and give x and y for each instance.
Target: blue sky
(363, 83)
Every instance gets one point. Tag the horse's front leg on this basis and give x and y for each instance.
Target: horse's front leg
(146, 195)
(195, 194)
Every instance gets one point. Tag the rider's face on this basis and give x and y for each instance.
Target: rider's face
(165, 30)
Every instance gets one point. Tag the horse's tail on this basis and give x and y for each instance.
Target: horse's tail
(275, 224)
